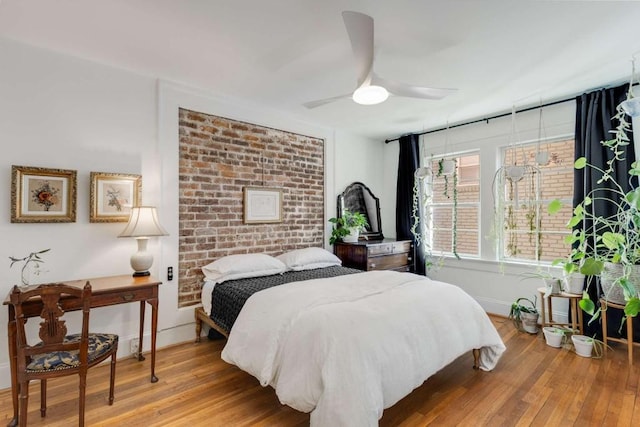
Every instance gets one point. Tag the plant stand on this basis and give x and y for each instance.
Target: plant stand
(629, 341)
(547, 307)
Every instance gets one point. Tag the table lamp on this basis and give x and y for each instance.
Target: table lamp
(143, 223)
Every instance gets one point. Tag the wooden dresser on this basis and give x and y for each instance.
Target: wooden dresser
(384, 254)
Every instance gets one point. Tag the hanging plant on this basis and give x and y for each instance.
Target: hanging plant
(422, 221)
(511, 196)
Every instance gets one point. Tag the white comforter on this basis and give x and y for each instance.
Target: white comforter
(347, 347)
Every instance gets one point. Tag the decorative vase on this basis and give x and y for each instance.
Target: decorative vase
(610, 274)
(574, 283)
(529, 322)
(553, 336)
(583, 345)
(352, 237)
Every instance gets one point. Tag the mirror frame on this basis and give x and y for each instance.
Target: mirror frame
(364, 235)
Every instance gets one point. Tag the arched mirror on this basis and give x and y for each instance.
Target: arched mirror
(358, 198)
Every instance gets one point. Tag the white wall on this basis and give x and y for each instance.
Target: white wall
(62, 112)
(495, 285)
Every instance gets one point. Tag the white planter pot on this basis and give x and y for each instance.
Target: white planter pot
(529, 322)
(448, 167)
(583, 345)
(554, 286)
(553, 336)
(574, 283)
(515, 173)
(352, 237)
(542, 158)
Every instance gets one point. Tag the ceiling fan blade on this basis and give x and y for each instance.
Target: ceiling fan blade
(320, 102)
(360, 29)
(403, 89)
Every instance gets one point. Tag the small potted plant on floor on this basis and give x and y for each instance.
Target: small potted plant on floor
(524, 314)
(347, 227)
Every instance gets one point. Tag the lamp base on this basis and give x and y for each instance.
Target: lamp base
(141, 274)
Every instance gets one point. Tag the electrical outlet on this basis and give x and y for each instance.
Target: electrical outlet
(135, 345)
(169, 273)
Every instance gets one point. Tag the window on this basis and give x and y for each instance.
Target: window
(529, 232)
(455, 220)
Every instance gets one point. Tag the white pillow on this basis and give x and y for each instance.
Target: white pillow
(308, 259)
(242, 266)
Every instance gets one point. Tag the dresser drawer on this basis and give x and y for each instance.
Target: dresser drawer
(376, 255)
(388, 262)
(389, 248)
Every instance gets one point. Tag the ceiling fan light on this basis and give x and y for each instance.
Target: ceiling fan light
(370, 95)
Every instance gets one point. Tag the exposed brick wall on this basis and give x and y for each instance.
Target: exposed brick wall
(218, 158)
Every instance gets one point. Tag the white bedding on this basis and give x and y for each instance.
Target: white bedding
(206, 294)
(347, 347)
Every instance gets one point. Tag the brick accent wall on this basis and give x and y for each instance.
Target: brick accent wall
(218, 158)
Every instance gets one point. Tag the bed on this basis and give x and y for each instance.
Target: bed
(346, 347)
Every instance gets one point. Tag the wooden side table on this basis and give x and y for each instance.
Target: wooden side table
(576, 324)
(604, 304)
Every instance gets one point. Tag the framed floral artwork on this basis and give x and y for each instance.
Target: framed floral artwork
(42, 194)
(262, 205)
(112, 195)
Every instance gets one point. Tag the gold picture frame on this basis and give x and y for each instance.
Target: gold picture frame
(43, 194)
(262, 205)
(112, 195)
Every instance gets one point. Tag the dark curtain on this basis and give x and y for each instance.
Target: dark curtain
(408, 162)
(594, 113)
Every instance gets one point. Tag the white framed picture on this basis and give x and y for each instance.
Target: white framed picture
(262, 205)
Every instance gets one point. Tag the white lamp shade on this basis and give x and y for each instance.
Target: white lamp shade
(143, 222)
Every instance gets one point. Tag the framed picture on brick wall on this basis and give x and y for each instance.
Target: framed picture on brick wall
(112, 195)
(42, 194)
(262, 205)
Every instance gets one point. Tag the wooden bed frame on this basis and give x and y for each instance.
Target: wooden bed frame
(201, 316)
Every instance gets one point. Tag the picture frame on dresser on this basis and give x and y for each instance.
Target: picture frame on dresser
(112, 195)
(40, 195)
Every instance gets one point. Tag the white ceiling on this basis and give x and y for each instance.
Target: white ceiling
(282, 53)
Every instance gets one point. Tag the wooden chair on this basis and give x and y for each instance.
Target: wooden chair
(58, 354)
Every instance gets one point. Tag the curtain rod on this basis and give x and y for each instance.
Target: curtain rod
(485, 119)
(497, 116)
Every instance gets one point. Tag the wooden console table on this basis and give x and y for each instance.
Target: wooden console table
(105, 291)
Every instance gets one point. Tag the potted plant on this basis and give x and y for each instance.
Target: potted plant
(553, 336)
(524, 315)
(347, 227)
(573, 279)
(587, 346)
(552, 283)
(609, 247)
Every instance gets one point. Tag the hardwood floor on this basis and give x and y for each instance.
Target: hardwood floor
(532, 385)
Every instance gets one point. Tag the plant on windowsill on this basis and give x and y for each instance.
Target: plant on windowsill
(347, 227)
(609, 247)
(31, 260)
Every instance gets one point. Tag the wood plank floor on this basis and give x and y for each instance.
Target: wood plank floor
(532, 385)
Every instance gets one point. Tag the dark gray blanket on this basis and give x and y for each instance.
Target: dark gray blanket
(228, 298)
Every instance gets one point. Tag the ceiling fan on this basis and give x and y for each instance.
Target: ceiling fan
(373, 89)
